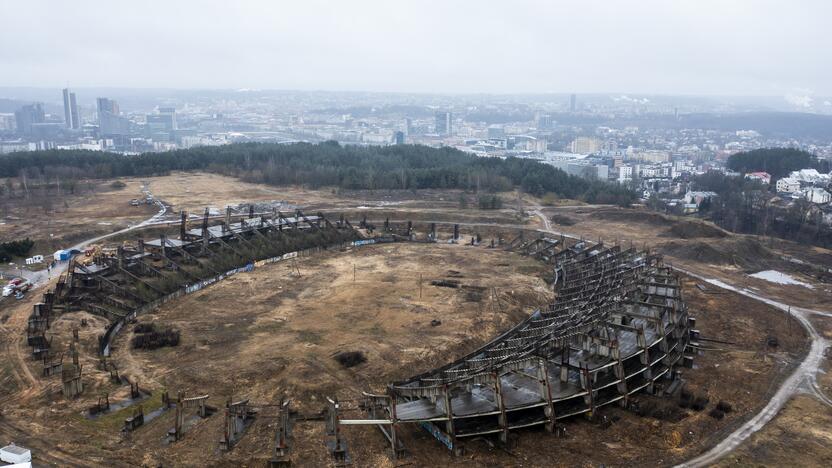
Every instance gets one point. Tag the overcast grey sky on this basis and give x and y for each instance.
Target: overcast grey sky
(743, 47)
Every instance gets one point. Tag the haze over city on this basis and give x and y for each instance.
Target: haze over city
(415, 233)
(739, 47)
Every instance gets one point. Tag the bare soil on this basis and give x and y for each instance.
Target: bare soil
(59, 222)
(275, 332)
(800, 435)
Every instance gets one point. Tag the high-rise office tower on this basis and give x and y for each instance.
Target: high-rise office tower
(544, 122)
(573, 103)
(163, 121)
(110, 122)
(399, 137)
(71, 117)
(27, 116)
(444, 123)
(107, 105)
(171, 113)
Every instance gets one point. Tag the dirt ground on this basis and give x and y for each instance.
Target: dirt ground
(196, 191)
(96, 209)
(365, 299)
(800, 435)
(273, 333)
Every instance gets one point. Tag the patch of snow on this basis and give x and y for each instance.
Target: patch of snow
(774, 276)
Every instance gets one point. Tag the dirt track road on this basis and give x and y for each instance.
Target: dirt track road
(803, 379)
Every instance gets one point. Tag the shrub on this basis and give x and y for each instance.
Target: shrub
(350, 358)
(144, 328)
(18, 248)
(716, 413)
(724, 406)
(699, 403)
(156, 339)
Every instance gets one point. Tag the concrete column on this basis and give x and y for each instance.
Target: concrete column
(501, 405)
(545, 389)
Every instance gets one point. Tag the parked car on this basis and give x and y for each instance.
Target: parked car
(17, 285)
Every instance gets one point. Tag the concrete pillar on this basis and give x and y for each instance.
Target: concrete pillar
(163, 240)
(449, 412)
(501, 406)
(183, 219)
(205, 234)
(545, 389)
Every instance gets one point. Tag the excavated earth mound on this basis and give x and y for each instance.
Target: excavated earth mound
(738, 251)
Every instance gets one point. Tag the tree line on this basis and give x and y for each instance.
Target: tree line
(18, 248)
(748, 206)
(778, 162)
(327, 164)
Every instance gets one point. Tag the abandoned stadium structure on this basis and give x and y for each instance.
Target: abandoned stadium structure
(619, 326)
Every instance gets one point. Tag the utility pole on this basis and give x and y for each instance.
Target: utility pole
(353, 272)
